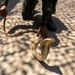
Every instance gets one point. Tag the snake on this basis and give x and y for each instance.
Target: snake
(44, 43)
(44, 47)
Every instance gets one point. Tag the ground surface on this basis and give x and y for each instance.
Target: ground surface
(15, 52)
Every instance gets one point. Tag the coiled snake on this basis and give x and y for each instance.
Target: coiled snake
(44, 43)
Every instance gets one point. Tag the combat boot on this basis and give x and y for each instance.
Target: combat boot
(50, 25)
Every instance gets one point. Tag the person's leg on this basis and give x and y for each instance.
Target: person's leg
(54, 6)
(47, 14)
(28, 7)
(47, 10)
(50, 24)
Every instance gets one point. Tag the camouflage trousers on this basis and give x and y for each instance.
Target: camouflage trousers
(48, 8)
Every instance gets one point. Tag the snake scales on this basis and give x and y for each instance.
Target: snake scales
(44, 43)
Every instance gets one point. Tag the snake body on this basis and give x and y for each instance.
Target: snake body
(44, 46)
(15, 34)
(44, 43)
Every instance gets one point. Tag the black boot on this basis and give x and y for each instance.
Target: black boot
(51, 26)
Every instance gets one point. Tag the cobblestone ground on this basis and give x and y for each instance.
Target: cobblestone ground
(15, 52)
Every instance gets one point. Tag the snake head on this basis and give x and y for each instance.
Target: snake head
(52, 40)
(46, 43)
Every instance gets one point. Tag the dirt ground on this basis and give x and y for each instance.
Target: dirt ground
(15, 52)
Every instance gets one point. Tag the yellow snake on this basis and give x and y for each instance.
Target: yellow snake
(44, 43)
(44, 46)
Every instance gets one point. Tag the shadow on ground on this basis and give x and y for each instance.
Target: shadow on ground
(60, 26)
(12, 4)
(55, 69)
(37, 22)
